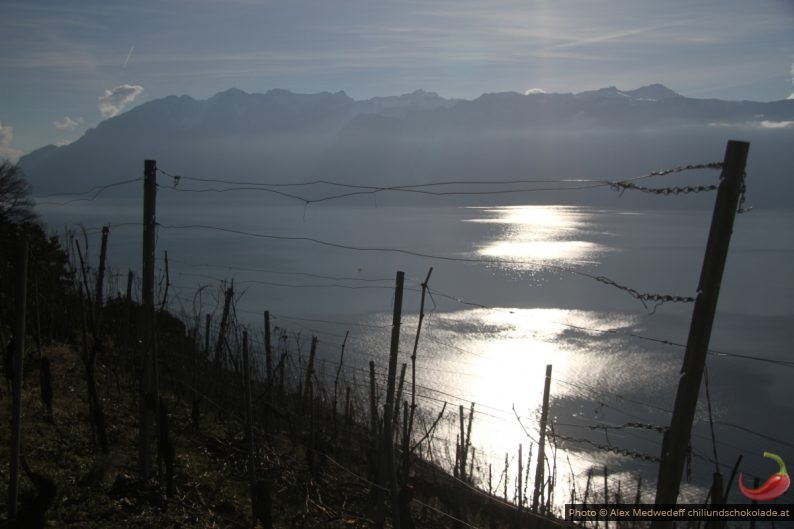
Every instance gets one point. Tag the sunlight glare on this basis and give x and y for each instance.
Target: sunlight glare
(539, 234)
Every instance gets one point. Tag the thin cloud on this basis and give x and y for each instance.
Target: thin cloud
(623, 34)
(67, 123)
(128, 57)
(778, 124)
(6, 151)
(113, 101)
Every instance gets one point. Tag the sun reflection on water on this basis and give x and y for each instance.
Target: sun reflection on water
(537, 234)
(499, 362)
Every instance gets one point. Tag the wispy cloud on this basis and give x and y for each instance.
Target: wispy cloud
(778, 124)
(113, 101)
(68, 123)
(6, 151)
(132, 48)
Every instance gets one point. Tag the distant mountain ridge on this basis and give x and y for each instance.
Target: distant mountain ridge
(296, 136)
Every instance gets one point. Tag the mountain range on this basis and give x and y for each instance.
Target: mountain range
(280, 136)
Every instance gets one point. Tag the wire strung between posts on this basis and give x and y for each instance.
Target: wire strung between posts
(673, 190)
(94, 193)
(335, 322)
(627, 184)
(629, 425)
(783, 363)
(608, 448)
(682, 168)
(659, 298)
(623, 185)
(664, 191)
(742, 196)
(647, 427)
(433, 291)
(411, 188)
(292, 285)
(662, 172)
(643, 297)
(419, 188)
(278, 272)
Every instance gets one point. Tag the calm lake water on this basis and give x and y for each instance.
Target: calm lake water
(512, 290)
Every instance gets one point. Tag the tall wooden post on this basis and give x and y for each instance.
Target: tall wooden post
(218, 360)
(195, 413)
(519, 482)
(269, 382)
(676, 439)
(544, 417)
(386, 475)
(129, 356)
(100, 275)
(17, 364)
(308, 392)
(149, 400)
(249, 423)
(373, 410)
(388, 409)
(413, 354)
(268, 351)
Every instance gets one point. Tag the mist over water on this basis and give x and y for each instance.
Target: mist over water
(515, 291)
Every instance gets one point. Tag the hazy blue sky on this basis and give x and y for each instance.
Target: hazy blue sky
(65, 65)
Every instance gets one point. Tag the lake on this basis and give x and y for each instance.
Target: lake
(513, 288)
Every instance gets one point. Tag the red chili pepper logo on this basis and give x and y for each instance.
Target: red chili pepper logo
(774, 487)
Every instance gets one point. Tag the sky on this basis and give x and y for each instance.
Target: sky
(66, 65)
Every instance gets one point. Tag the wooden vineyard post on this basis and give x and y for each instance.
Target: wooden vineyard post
(676, 438)
(507, 474)
(207, 322)
(129, 356)
(335, 411)
(464, 443)
(398, 400)
(268, 349)
(544, 417)
(519, 487)
(373, 426)
(308, 392)
(413, 362)
(218, 359)
(37, 302)
(467, 444)
(149, 390)
(100, 277)
(195, 412)
(386, 475)
(268, 372)
(347, 414)
(249, 423)
(17, 365)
